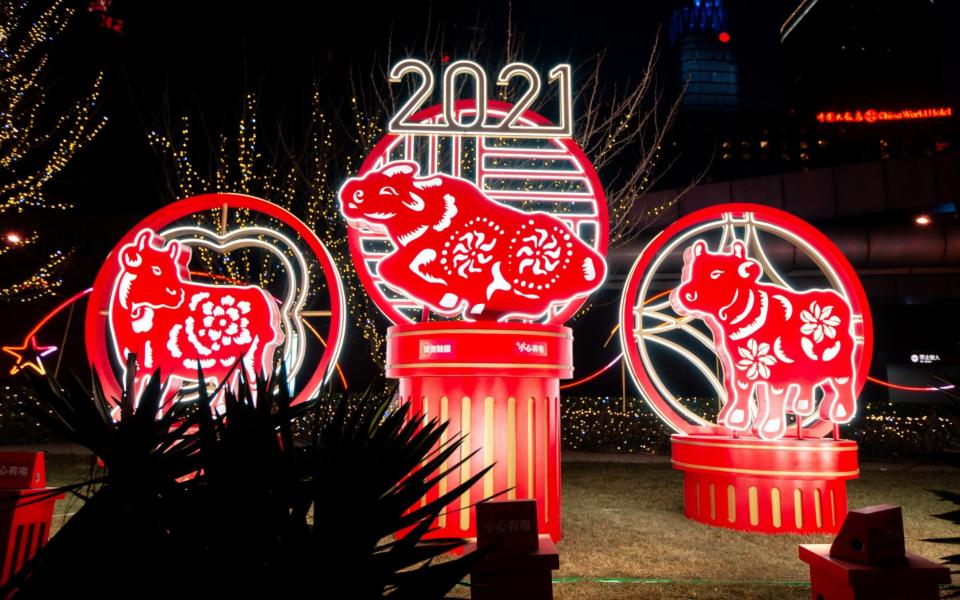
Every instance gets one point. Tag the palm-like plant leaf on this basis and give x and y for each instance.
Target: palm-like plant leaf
(235, 497)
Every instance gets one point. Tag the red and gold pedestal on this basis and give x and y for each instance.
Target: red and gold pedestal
(748, 484)
(498, 385)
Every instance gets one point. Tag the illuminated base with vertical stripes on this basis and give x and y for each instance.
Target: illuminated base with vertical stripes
(498, 384)
(783, 486)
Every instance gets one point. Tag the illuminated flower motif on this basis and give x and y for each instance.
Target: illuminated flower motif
(470, 252)
(756, 360)
(819, 322)
(542, 253)
(224, 324)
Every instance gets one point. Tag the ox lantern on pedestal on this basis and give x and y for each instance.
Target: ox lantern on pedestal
(478, 229)
(780, 360)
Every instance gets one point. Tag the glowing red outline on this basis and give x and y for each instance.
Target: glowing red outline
(33, 332)
(910, 388)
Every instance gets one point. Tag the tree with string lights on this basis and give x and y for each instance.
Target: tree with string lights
(38, 139)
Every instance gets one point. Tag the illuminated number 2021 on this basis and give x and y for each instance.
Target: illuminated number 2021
(478, 124)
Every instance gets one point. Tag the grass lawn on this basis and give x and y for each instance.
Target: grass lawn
(625, 520)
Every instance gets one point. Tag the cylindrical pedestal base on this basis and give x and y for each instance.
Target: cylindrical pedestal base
(499, 389)
(786, 486)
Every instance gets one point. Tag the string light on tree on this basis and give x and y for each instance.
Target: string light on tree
(299, 180)
(37, 141)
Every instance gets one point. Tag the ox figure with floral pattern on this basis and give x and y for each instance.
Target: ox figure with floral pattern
(460, 252)
(173, 324)
(773, 342)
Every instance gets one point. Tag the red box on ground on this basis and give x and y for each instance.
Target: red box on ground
(520, 563)
(26, 509)
(837, 579)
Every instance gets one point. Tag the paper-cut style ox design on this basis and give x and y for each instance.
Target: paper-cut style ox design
(460, 252)
(172, 323)
(774, 342)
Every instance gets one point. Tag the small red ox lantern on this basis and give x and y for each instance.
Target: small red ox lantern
(26, 510)
(173, 324)
(867, 560)
(774, 342)
(711, 294)
(520, 563)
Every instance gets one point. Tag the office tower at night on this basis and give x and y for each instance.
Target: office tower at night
(707, 66)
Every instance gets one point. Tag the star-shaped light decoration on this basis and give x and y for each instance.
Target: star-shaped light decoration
(28, 355)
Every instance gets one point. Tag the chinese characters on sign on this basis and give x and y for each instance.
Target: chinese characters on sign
(924, 359)
(14, 471)
(537, 349)
(436, 348)
(871, 116)
(511, 526)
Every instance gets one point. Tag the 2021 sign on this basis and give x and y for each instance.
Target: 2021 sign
(454, 124)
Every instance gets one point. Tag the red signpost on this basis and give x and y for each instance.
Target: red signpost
(867, 561)
(519, 562)
(26, 509)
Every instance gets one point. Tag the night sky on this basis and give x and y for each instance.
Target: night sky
(181, 57)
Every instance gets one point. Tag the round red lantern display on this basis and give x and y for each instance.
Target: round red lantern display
(784, 355)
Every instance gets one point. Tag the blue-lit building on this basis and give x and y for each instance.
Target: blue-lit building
(707, 65)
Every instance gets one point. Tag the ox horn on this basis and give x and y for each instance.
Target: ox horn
(405, 167)
(174, 250)
(143, 238)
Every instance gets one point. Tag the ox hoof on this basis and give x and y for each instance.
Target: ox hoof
(737, 417)
(772, 429)
(449, 300)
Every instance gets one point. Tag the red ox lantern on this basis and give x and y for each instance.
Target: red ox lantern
(482, 212)
(209, 281)
(767, 349)
(175, 325)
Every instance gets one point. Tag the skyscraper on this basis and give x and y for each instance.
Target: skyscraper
(700, 39)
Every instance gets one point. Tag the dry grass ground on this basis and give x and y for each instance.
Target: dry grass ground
(625, 521)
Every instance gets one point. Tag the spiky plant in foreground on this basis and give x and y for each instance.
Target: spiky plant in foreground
(202, 502)
(950, 457)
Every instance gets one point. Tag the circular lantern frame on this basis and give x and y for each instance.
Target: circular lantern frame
(637, 303)
(171, 223)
